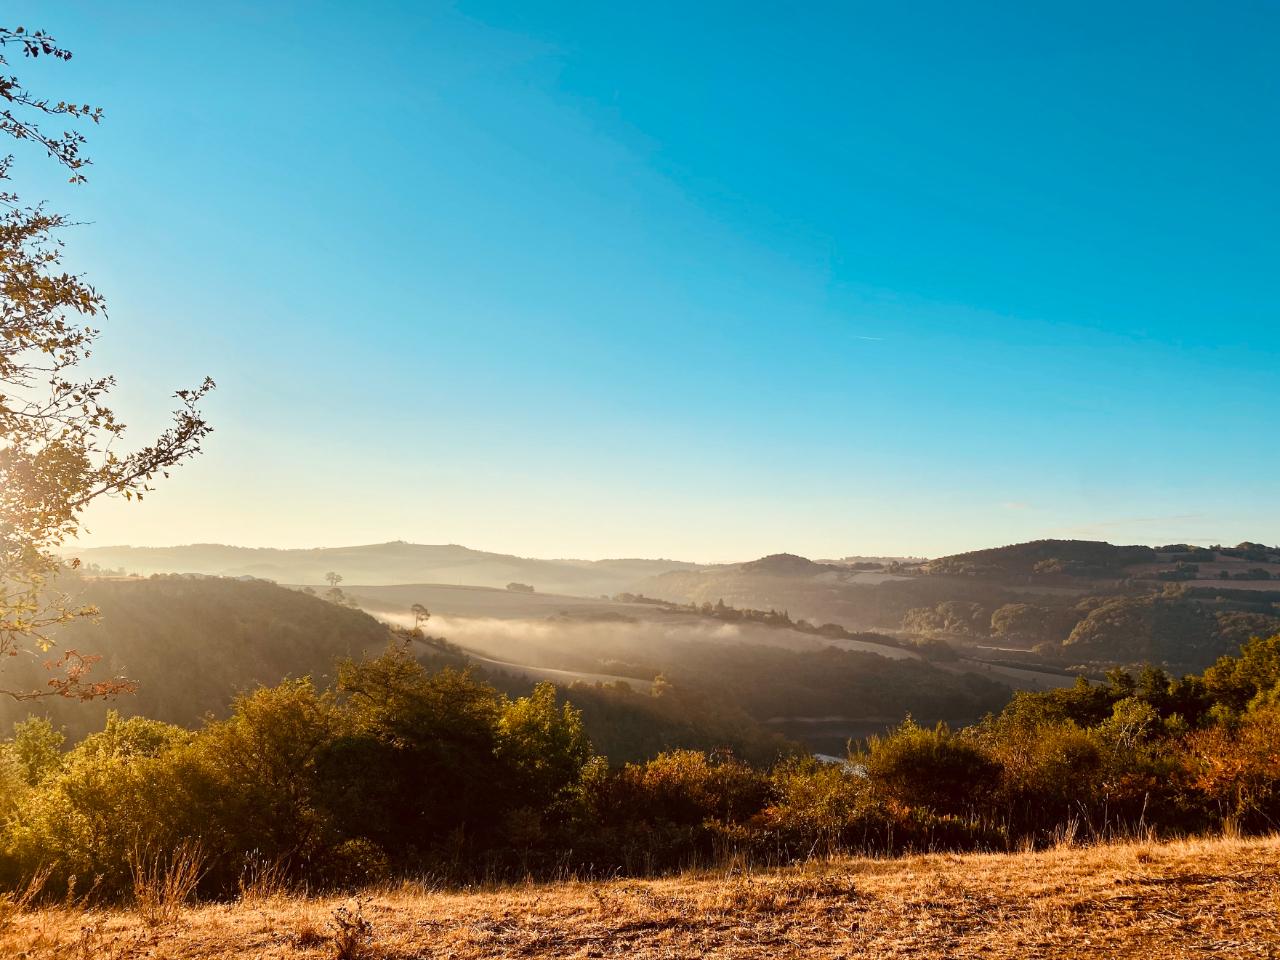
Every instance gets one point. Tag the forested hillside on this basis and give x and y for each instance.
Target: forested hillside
(190, 644)
(1066, 604)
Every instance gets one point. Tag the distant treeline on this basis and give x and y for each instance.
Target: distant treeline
(930, 647)
(1043, 558)
(1084, 558)
(1181, 626)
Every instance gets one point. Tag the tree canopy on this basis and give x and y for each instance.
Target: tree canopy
(61, 445)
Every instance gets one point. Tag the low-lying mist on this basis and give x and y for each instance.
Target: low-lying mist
(605, 649)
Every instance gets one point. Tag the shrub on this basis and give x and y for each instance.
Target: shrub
(823, 808)
(1237, 767)
(127, 787)
(945, 772)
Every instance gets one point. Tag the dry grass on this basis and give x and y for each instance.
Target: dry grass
(14, 903)
(1218, 898)
(164, 883)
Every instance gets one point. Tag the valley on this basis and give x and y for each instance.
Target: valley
(819, 652)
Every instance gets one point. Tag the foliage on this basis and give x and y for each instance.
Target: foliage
(1250, 679)
(1081, 558)
(400, 770)
(957, 617)
(823, 807)
(919, 767)
(1030, 624)
(1168, 628)
(60, 442)
(631, 726)
(1237, 768)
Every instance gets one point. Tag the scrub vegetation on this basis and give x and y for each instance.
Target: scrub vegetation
(396, 772)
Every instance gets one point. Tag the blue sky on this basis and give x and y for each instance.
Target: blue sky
(706, 281)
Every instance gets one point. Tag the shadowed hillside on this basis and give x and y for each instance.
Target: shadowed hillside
(1088, 558)
(192, 643)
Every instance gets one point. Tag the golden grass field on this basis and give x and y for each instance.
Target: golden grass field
(1209, 898)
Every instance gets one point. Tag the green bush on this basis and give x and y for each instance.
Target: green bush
(945, 772)
(823, 808)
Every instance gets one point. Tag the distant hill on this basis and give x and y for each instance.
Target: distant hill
(385, 563)
(1066, 604)
(191, 644)
(1092, 558)
(787, 565)
(1044, 560)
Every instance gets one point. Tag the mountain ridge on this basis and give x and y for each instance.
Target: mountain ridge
(394, 562)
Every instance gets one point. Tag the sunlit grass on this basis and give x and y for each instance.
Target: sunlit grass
(1189, 898)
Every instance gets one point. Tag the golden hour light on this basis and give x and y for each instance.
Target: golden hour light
(488, 479)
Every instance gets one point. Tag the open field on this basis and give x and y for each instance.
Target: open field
(463, 600)
(1217, 898)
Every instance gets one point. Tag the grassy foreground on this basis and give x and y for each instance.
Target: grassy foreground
(1216, 898)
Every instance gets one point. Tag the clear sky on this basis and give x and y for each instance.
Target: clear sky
(695, 280)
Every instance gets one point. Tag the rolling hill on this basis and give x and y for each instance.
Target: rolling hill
(1056, 605)
(191, 644)
(384, 563)
(1072, 604)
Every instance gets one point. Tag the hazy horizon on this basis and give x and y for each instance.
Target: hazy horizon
(71, 550)
(845, 280)
(754, 547)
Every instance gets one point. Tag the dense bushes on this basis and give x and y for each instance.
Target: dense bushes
(401, 771)
(397, 769)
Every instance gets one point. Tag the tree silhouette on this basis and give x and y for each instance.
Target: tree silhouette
(420, 615)
(60, 443)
